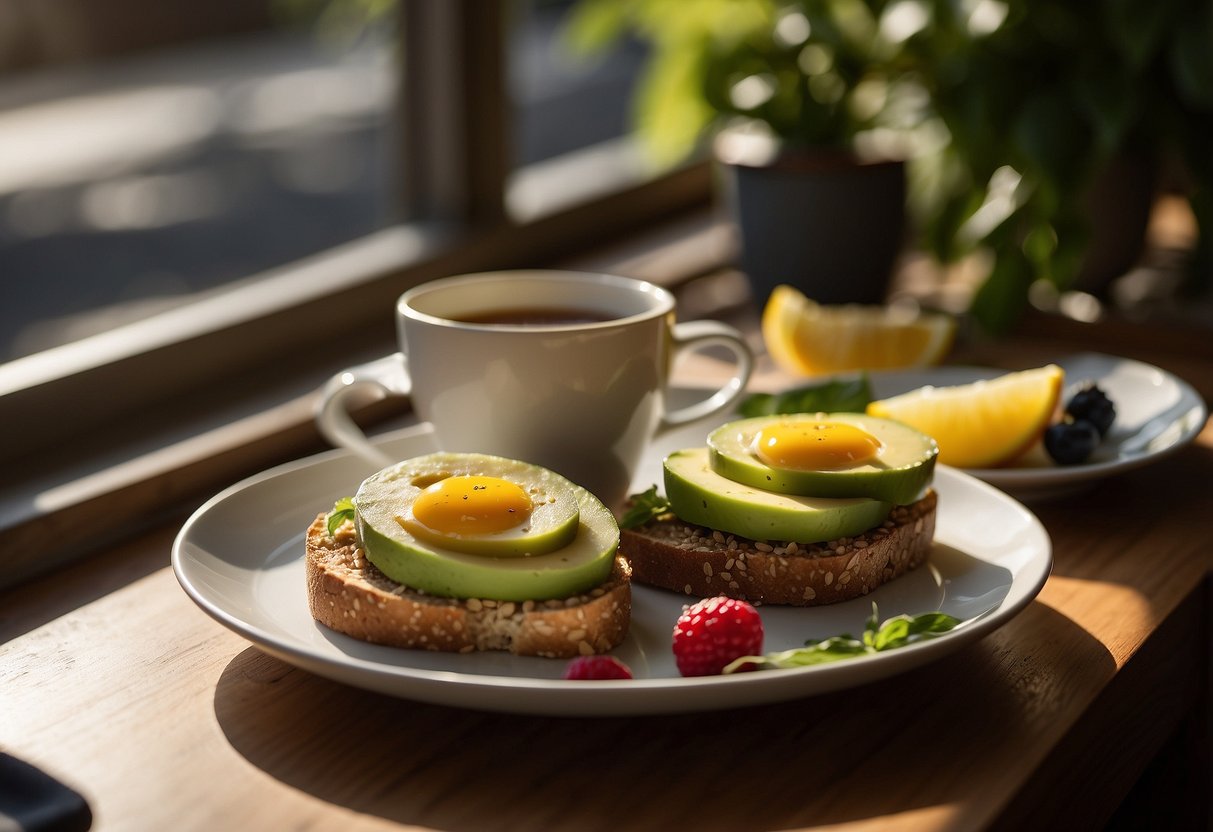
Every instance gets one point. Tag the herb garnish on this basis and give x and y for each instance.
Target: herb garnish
(838, 396)
(343, 510)
(644, 507)
(877, 638)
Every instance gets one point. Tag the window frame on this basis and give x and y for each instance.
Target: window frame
(453, 221)
(98, 408)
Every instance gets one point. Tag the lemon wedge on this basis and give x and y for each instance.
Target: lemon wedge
(806, 338)
(985, 424)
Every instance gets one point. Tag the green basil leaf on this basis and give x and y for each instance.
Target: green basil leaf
(877, 638)
(343, 510)
(644, 507)
(906, 629)
(829, 650)
(850, 395)
(930, 623)
(893, 633)
(872, 626)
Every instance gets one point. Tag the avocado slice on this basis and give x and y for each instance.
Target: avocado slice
(387, 498)
(580, 561)
(899, 473)
(699, 495)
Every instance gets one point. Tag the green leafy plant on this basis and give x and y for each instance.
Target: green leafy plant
(809, 73)
(343, 510)
(845, 395)
(877, 637)
(644, 507)
(1007, 110)
(1039, 99)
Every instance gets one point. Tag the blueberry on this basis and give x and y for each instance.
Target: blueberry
(1070, 443)
(1092, 405)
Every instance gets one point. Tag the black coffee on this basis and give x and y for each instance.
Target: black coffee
(535, 316)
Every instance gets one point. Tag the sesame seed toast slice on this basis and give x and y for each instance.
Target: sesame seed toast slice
(698, 561)
(347, 593)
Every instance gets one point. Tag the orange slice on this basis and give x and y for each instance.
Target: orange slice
(985, 424)
(806, 338)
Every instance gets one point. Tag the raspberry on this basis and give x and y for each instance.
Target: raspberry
(711, 633)
(597, 667)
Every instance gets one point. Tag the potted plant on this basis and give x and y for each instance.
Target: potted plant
(802, 104)
(1061, 116)
(1023, 121)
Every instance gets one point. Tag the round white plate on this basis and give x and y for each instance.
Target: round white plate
(240, 557)
(1156, 414)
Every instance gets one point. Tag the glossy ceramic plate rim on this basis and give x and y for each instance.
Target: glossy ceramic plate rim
(554, 696)
(1190, 413)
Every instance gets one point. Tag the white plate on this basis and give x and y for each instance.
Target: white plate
(1156, 414)
(240, 557)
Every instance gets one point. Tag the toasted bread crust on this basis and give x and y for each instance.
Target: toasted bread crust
(347, 593)
(696, 561)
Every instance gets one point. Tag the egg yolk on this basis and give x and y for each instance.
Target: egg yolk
(472, 505)
(814, 446)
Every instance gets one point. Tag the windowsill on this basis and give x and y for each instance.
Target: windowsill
(112, 480)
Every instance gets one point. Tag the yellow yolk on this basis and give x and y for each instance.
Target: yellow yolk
(472, 505)
(814, 446)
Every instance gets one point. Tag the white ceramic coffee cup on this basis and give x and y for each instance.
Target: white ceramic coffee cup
(583, 399)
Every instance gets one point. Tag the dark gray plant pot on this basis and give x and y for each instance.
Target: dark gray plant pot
(1118, 207)
(823, 222)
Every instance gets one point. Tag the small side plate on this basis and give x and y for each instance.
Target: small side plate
(1156, 414)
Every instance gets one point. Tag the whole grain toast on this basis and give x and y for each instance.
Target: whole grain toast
(701, 562)
(347, 593)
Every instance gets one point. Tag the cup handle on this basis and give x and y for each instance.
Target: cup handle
(387, 376)
(695, 335)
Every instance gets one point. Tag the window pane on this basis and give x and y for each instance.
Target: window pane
(176, 148)
(571, 113)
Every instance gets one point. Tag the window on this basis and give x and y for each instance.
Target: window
(132, 185)
(212, 218)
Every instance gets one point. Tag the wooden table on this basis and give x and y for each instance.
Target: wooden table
(116, 683)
